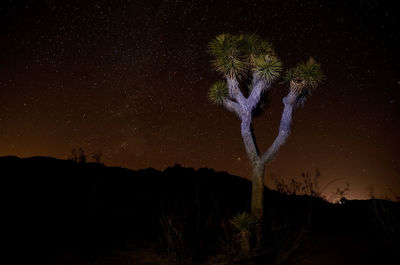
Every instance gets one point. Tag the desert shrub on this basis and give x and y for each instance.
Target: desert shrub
(78, 155)
(173, 238)
(234, 244)
(97, 157)
(280, 243)
(73, 156)
(309, 185)
(284, 241)
(385, 215)
(244, 223)
(339, 195)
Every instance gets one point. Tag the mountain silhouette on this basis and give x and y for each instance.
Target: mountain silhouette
(55, 205)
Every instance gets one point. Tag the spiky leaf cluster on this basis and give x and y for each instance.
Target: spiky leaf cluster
(267, 67)
(309, 74)
(218, 92)
(236, 55)
(229, 58)
(255, 46)
(243, 221)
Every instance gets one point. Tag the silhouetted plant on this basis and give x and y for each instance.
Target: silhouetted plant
(285, 236)
(388, 195)
(371, 192)
(78, 155)
(97, 157)
(74, 155)
(339, 195)
(227, 241)
(284, 241)
(173, 239)
(234, 244)
(81, 155)
(309, 185)
(385, 214)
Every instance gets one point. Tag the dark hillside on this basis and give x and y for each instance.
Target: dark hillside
(58, 205)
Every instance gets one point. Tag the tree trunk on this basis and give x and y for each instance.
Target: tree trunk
(257, 197)
(257, 194)
(243, 110)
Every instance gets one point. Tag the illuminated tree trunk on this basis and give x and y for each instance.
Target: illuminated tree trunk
(257, 195)
(258, 162)
(243, 108)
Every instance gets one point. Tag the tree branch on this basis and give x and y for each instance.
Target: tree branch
(232, 106)
(235, 93)
(259, 86)
(284, 127)
(248, 140)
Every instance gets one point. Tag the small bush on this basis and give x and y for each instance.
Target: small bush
(309, 185)
(173, 238)
(244, 223)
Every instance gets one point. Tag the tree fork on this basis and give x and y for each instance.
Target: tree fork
(234, 57)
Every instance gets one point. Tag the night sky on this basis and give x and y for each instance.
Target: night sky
(130, 80)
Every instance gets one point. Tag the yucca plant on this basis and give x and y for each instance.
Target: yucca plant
(230, 57)
(249, 59)
(244, 223)
(267, 67)
(255, 46)
(218, 92)
(305, 76)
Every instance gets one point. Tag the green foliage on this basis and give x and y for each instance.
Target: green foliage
(236, 55)
(267, 67)
(218, 92)
(255, 46)
(241, 55)
(308, 74)
(243, 221)
(229, 58)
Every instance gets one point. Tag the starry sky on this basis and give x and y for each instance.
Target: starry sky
(130, 80)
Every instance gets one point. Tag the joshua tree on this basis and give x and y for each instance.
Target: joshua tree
(250, 60)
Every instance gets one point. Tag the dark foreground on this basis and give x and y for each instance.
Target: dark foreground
(63, 212)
